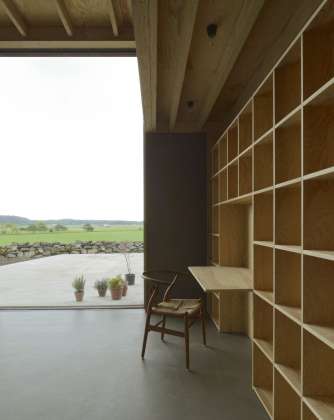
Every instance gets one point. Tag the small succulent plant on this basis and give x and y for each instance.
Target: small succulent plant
(115, 282)
(101, 284)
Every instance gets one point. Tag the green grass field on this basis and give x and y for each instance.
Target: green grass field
(115, 233)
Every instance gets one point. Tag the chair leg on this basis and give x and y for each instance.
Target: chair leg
(163, 326)
(203, 323)
(186, 338)
(147, 325)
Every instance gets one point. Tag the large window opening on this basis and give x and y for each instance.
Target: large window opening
(72, 181)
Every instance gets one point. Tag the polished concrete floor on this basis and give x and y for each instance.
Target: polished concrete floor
(47, 282)
(86, 365)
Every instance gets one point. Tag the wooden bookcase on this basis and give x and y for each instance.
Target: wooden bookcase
(272, 180)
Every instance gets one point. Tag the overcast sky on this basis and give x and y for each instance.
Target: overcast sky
(71, 138)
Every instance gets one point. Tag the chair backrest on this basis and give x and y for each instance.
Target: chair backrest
(162, 281)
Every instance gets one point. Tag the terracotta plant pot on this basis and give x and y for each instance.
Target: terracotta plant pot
(79, 296)
(130, 278)
(125, 288)
(116, 293)
(102, 292)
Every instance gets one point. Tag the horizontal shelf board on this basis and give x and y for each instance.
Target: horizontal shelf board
(264, 190)
(327, 173)
(260, 139)
(266, 347)
(288, 116)
(323, 408)
(246, 152)
(264, 243)
(216, 235)
(288, 183)
(265, 295)
(292, 376)
(242, 199)
(294, 313)
(291, 248)
(327, 255)
(314, 98)
(266, 397)
(323, 333)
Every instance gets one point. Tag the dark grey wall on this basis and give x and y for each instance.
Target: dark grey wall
(175, 204)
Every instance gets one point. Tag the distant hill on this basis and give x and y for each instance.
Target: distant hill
(69, 222)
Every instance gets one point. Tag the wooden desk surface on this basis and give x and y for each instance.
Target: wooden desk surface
(214, 279)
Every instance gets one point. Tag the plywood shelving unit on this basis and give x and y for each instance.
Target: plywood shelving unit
(277, 159)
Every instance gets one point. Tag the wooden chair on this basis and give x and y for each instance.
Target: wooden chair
(189, 310)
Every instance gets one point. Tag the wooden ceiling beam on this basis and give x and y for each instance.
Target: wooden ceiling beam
(64, 17)
(15, 16)
(180, 57)
(145, 20)
(113, 18)
(237, 36)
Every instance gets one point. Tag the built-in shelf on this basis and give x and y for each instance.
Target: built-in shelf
(265, 295)
(215, 190)
(288, 215)
(215, 160)
(288, 357)
(292, 312)
(263, 270)
(288, 82)
(307, 413)
(263, 324)
(233, 142)
(223, 185)
(288, 150)
(263, 217)
(318, 376)
(263, 378)
(215, 249)
(287, 401)
(245, 173)
(245, 128)
(233, 180)
(288, 282)
(263, 108)
(291, 375)
(223, 151)
(263, 163)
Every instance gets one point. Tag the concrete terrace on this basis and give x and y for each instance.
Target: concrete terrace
(47, 282)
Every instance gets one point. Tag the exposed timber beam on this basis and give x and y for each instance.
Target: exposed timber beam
(113, 18)
(64, 17)
(238, 35)
(181, 47)
(145, 20)
(15, 16)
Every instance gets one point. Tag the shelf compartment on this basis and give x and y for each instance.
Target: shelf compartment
(245, 173)
(233, 142)
(318, 214)
(233, 180)
(223, 185)
(319, 132)
(215, 190)
(263, 109)
(215, 160)
(288, 82)
(318, 292)
(263, 325)
(288, 149)
(288, 215)
(263, 378)
(245, 128)
(263, 163)
(318, 51)
(287, 402)
(288, 357)
(263, 217)
(307, 413)
(215, 220)
(263, 268)
(288, 282)
(215, 249)
(223, 152)
(318, 376)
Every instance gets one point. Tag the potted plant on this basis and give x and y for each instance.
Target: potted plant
(101, 286)
(129, 277)
(116, 287)
(79, 287)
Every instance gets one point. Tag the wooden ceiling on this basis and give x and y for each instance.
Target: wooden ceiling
(197, 58)
(66, 24)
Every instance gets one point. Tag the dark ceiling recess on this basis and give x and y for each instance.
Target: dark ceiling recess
(211, 30)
